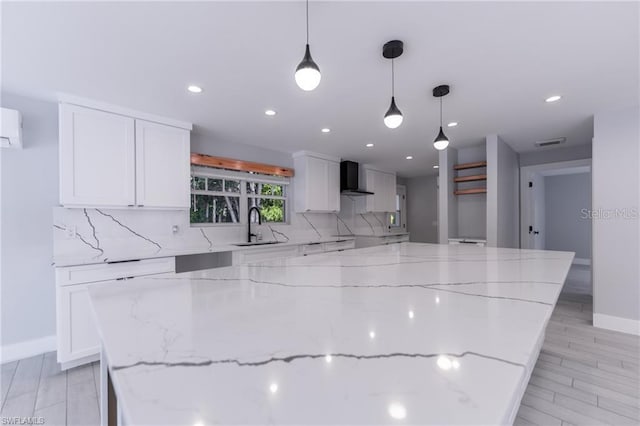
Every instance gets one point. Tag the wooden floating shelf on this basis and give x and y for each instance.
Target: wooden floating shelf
(470, 191)
(475, 165)
(470, 178)
(243, 166)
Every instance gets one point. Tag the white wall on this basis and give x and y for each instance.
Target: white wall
(207, 144)
(503, 211)
(566, 228)
(616, 233)
(422, 209)
(29, 186)
(447, 205)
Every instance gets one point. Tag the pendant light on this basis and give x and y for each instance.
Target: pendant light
(391, 50)
(307, 73)
(441, 142)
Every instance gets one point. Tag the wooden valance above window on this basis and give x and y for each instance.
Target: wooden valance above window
(243, 166)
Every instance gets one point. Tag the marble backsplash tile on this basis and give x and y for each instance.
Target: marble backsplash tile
(117, 233)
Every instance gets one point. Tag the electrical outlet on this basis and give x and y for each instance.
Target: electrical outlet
(175, 229)
(72, 232)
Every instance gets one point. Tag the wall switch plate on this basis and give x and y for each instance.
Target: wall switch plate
(175, 229)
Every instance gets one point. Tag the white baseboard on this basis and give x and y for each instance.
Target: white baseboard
(623, 325)
(27, 349)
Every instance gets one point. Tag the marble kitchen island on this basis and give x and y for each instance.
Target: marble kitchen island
(399, 334)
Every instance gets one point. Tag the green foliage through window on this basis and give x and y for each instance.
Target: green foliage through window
(219, 200)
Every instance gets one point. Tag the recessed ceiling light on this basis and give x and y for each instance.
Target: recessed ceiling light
(553, 98)
(409, 157)
(369, 145)
(194, 89)
(436, 167)
(325, 130)
(452, 124)
(270, 112)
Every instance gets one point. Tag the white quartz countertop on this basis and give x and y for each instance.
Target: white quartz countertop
(73, 260)
(398, 334)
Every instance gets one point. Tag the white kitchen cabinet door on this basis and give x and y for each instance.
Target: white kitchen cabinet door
(76, 331)
(389, 192)
(162, 165)
(316, 184)
(383, 186)
(333, 186)
(97, 157)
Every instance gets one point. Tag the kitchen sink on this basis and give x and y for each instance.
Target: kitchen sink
(257, 243)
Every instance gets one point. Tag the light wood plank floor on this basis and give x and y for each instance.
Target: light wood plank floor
(584, 376)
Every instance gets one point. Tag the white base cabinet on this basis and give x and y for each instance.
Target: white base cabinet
(259, 254)
(77, 337)
(362, 242)
(108, 159)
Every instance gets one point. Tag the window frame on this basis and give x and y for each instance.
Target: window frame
(244, 195)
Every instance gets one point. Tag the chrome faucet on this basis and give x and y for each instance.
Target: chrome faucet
(249, 234)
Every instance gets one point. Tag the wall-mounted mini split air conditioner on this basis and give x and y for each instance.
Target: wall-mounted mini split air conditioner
(10, 128)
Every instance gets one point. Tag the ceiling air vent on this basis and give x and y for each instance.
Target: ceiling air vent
(550, 142)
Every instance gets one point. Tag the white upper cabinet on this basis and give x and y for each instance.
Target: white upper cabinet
(97, 157)
(162, 165)
(383, 186)
(316, 182)
(115, 159)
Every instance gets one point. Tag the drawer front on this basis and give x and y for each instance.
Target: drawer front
(249, 256)
(312, 249)
(112, 271)
(392, 239)
(340, 245)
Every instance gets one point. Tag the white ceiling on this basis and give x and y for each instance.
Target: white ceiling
(501, 59)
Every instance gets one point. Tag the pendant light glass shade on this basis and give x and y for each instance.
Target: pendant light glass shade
(441, 142)
(308, 73)
(393, 117)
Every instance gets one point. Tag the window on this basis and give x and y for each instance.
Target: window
(224, 197)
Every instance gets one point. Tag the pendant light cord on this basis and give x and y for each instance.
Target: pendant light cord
(307, 21)
(440, 111)
(393, 79)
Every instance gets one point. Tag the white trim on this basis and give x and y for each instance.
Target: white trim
(377, 169)
(577, 166)
(28, 348)
(89, 103)
(581, 261)
(315, 155)
(623, 325)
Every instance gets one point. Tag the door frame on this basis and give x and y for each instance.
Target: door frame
(402, 191)
(529, 174)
